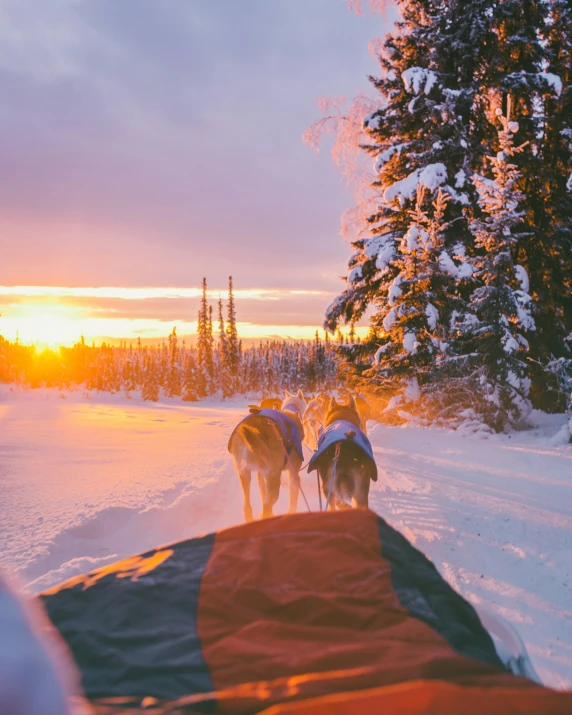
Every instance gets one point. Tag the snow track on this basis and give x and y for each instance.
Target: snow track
(87, 481)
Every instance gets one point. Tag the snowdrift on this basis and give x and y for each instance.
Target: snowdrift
(311, 613)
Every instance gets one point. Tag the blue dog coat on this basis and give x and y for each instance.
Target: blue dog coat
(287, 427)
(342, 431)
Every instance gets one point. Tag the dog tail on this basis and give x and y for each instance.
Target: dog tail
(250, 436)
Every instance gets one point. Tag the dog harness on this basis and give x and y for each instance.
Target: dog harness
(286, 427)
(337, 433)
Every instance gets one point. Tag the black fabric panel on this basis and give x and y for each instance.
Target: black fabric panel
(427, 596)
(133, 632)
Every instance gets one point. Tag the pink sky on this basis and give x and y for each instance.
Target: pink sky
(149, 144)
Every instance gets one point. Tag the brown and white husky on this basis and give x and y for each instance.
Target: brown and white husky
(294, 403)
(355, 467)
(258, 444)
(313, 423)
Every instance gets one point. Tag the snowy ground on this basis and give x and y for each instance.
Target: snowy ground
(87, 481)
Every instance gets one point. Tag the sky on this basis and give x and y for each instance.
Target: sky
(146, 144)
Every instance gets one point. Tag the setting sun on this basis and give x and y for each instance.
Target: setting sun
(44, 324)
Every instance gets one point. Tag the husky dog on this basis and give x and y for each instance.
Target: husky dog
(355, 467)
(364, 411)
(294, 403)
(268, 442)
(271, 403)
(313, 423)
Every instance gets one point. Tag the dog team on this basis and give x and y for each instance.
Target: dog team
(269, 442)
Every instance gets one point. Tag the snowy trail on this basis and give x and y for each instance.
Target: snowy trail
(87, 481)
(495, 516)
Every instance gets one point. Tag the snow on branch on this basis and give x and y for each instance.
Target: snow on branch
(553, 80)
(430, 176)
(415, 76)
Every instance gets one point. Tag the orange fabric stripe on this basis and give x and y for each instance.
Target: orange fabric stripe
(432, 698)
(276, 614)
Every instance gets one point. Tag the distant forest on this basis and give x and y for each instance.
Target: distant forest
(216, 365)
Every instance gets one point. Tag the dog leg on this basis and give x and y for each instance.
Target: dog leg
(272, 493)
(262, 486)
(294, 476)
(361, 490)
(245, 476)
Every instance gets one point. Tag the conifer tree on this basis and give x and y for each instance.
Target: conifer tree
(173, 381)
(150, 386)
(444, 72)
(225, 378)
(232, 333)
(204, 345)
(501, 316)
(189, 392)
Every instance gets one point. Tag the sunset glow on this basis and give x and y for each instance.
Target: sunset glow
(147, 293)
(50, 316)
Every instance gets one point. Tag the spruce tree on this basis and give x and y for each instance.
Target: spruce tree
(501, 308)
(232, 333)
(173, 380)
(223, 357)
(444, 71)
(204, 345)
(190, 392)
(557, 163)
(150, 387)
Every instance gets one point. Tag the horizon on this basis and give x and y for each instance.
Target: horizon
(53, 316)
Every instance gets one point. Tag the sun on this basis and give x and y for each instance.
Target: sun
(43, 324)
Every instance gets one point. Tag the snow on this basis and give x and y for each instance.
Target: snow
(410, 239)
(394, 290)
(460, 179)
(522, 278)
(412, 391)
(384, 156)
(554, 81)
(460, 197)
(410, 343)
(389, 320)
(356, 275)
(88, 481)
(371, 121)
(415, 76)
(432, 316)
(381, 351)
(431, 176)
(448, 265)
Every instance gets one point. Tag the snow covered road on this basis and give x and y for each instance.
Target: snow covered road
(87, 481)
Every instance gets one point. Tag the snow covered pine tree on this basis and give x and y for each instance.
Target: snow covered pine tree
(501, 316)
(443, 69)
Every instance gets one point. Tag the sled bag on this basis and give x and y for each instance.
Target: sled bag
(331, 613)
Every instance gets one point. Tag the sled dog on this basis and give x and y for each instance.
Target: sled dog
(271, 403)
(268, 442)
(294, 403)
(343, 435)
(364, 411)
(313, 423)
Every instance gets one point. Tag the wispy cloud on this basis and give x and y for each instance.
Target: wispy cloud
(150, 293)
(151, 143)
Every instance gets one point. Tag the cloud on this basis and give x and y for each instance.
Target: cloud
(149, 142)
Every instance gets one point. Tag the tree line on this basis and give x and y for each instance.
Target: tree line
(216, 365)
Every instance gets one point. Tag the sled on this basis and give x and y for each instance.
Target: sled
(313, 614)
(508, 644)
